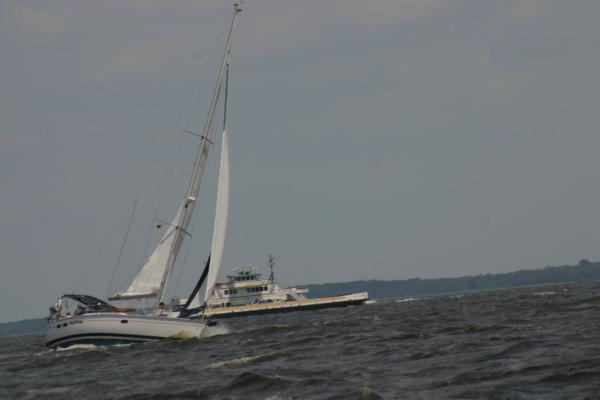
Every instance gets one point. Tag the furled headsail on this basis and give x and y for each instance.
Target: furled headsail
(219, 228)
(220, 225)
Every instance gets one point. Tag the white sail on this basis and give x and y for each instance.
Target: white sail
(220, 224)
(147, 282)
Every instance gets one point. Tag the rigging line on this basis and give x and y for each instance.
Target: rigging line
(225, 95)
(112, 277)
(199, 204)
(185, 256)
(188, 245)
(151, 169)
(129, 278)
(163, 186)
(194, 183)
(196, 87)
(94, 263)
(164, 180)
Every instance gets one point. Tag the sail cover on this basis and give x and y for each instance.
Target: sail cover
(147, 282)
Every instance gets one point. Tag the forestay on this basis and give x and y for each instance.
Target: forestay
(152, 278)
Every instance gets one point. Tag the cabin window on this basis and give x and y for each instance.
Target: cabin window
(227, 292)
(124, 321)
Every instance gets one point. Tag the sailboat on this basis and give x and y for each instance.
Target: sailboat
(85, 319)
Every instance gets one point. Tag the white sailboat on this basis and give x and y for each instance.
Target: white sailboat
(92, 320)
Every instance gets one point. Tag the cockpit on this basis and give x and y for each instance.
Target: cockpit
(78, 304)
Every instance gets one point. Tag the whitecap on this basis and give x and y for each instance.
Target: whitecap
(243, 360)
(214, 331)
(88, 347)
(406, 300)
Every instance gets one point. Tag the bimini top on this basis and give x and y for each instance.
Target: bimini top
(89, 301)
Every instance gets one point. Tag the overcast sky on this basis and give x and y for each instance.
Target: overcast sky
(369, 139)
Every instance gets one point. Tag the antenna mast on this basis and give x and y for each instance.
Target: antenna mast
(271, 265)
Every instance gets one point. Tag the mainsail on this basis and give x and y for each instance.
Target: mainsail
(147, 281)
(152, 278)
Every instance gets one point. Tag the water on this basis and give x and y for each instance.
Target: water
(527, 343)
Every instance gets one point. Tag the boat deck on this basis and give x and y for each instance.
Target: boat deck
(287, 306)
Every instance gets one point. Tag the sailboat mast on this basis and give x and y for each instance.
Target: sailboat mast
(187, 207)
(225, 95)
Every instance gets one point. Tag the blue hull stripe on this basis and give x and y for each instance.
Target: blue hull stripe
(101, 337)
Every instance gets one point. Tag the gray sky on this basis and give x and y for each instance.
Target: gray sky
(369, 139)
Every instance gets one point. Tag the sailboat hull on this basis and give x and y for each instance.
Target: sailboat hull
(117, 328)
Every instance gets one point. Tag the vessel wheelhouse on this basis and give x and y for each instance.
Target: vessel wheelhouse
(246, 286)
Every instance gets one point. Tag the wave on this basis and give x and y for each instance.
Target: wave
(406, 300)
(85, 347)
(470, 328)
(258, 382)
(363, 393)
(504, 344)
(545, 293)
(216, 330)
(187, 395)
(244, 360)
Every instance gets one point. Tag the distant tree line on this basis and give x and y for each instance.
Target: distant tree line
(585, 271)
(24, 326)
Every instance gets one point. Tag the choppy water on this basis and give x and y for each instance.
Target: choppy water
(528, 343)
